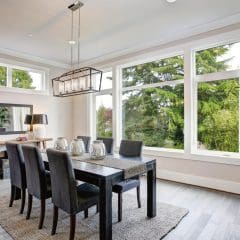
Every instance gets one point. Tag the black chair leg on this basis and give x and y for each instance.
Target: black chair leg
(55, 220)
(12, 196)
(42, 214)
(72, 226)
(23, 201)
(86, 213)
(138, 197)
(29, 209)
(97, 208)
(119, 207)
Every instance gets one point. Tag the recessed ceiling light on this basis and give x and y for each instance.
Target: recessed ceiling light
(171, 1)
(72, 42)
(30, 35)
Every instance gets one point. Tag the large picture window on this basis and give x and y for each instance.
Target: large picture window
(218, 98)
(153, 103)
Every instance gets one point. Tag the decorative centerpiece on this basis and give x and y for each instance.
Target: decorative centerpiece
(97, 150)
(61, 144)
(77, 147)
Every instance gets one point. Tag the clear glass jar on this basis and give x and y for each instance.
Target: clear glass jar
(77, 147)
(61, 144)
(97, 150)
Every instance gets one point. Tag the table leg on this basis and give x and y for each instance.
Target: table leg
(105, 213)
(151, 192)
(44, 144)
(1, 169)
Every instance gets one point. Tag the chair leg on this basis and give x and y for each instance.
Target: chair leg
(29, 209)
(42, 214)
(23, 201)
(138, 197)
(12, 196)
(72, 226)
(55, 220)
(119, 207)
(97, 208)
(86, 213)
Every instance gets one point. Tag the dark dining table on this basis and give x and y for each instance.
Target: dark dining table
(105, 177)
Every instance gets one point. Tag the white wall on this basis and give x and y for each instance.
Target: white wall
(59, 110)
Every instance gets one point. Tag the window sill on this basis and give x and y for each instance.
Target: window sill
(205, 156)
(23, 91)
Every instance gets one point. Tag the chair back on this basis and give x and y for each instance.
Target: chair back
(35, 171)
(64, 193)
(16, 165)
(108, 142)
(86, 141)
(130, 148)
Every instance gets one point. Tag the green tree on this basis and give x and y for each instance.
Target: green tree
(104, 122)
(3, 76)
(21, 79)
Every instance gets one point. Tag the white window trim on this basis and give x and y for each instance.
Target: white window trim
(10, 64)
(190, 89)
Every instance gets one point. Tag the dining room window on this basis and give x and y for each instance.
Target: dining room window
(153, 102)
(217, 78)
(104, 106)
(18, 77)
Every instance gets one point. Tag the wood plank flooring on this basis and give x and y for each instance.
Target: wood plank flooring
(213, 215)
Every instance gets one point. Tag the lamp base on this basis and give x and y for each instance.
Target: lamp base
(39, 131)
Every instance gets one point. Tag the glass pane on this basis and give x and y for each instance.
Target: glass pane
(168, 69)
(218, 115)
(104, 115)
(106, 80)
(154, 116)
(222, 58)
(3, 76)
(26, 79)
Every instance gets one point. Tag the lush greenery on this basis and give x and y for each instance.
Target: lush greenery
(156, 115)
(3, 76)
(4, 117)
(104, 122)
(20, 78)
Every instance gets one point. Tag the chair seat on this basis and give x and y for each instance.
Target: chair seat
(126, 185)
(88, 195)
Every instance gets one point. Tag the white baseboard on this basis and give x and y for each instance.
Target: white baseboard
(214, 183)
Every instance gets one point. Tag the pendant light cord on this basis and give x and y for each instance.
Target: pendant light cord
(79, 37)
(72, 44)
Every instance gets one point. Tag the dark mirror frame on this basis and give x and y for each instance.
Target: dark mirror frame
(15, 105)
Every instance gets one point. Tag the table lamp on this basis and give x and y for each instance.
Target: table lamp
(39, 121)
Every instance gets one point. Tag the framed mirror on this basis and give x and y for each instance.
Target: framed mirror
(12, 118)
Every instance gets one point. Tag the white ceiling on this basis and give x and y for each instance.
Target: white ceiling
(107, 26)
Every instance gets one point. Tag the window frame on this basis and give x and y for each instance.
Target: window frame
(188, 49)
(10, 65)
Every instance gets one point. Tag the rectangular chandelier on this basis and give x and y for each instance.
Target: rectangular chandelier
(78, 81)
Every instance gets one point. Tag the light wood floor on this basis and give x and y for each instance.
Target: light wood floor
(213, 215)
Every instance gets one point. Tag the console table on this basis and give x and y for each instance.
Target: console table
(40, 142)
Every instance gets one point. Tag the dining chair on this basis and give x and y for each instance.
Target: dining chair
(108, 142)
(66, 194)
(38, 180)
(128, 148)
(86, 141)
(17, 173)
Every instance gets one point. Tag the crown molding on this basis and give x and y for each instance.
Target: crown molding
(33, 58)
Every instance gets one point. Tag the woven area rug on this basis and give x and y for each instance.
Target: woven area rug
(134, 226)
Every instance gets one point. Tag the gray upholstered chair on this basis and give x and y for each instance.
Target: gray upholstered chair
(128, 148)
(17, 173)
(108, 142)
(86, 141)
(66, 195)
(38, 180)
